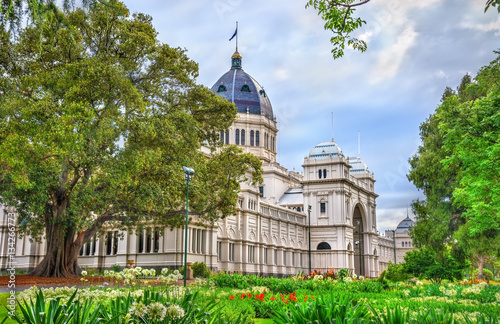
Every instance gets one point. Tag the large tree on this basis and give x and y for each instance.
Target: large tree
(458, 167)
(97, 118)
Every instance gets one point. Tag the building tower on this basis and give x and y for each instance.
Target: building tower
(255, 127)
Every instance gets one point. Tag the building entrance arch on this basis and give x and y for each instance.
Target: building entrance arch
(359, 242)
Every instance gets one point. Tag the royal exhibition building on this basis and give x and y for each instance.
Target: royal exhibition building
(323, 216)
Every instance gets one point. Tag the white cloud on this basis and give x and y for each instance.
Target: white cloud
(487, 27)
(390, 59)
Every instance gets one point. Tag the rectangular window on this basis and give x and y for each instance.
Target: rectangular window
(284, 258)
(115, 243)
(109, 243)
(322, 207)
(219, 250)
(275, 257)
(141, 241)
(231, 252)
(148, 240)
(293, 259)
(251, 254)
(300, 259)
(157, 240)
(87, 248)
(261, 191)
(265, 256)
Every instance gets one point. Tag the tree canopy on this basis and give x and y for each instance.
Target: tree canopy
(458, 168)
(97, 119)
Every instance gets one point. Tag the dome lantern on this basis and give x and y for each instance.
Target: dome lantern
(236, 60)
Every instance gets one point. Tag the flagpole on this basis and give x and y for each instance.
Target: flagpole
(236, 36)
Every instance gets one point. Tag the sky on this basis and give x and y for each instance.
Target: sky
(415, 50)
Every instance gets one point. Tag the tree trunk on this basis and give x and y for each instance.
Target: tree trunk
(480, 259)
(63, 246)
(61, 258)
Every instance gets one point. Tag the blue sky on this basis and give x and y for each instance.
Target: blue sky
(415, 50)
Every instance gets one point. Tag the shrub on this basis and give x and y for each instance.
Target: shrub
(200, 270)
(396, 272)
(116, 268)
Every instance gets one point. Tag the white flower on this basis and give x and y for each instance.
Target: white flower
(84, 273)
(175, 311)
(157, 311)
(138, 309)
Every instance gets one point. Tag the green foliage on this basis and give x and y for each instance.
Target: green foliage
(424, 263)
(456, 167)
(470, 125)
(116, 268)
(200, 270)
(396, 272)
(238, 312)
(324, 309)
(339, 18)
(342, 273)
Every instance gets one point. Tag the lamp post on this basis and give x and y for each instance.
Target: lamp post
(309, 212)
(359, 244)
(188, 174)
(394, 243)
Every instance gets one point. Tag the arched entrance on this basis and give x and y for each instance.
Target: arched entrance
(359, 267)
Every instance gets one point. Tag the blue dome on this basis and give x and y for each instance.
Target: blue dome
(245, 92)
(404, 225)
(325, 150)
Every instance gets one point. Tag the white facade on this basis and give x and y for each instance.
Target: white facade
(332, 202)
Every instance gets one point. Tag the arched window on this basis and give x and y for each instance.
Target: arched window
(403, 244)
(324, 246)
(245, 88)
(324, 173)
(227, 137)
(222, 137)
(252, 133)
(319, 174)
(221, 88)
(242, 137)
(237, 137)
(257, 138)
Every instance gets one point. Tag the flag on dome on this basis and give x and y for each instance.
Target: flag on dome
(234, 35)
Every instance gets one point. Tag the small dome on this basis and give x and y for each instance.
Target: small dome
(404, 225)
(325, 150)
(358, 166)
(245, 92)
